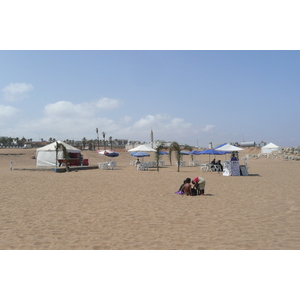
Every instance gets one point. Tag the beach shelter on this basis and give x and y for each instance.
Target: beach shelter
(109, 153)
(46, 156)
(139, 154)
(212, 152)
(269, 148)
(228, 148)
(163, 153)
(183, 152)
(142, 148)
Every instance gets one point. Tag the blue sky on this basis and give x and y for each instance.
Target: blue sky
(193, 97)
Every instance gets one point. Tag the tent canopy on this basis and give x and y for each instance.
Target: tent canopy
(46, 156)
(142, 148)
(269, 148)
(229, 148)
(52, 147)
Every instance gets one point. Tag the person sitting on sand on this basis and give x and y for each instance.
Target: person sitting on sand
(187, 187)
(199, 185)
(137, 162)
(180, 189)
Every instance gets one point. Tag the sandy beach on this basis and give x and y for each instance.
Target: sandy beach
(129, 209)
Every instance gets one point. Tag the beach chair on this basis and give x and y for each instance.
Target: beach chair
(112, 164)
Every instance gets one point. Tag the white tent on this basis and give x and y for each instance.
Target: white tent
(142, 148)
(269, 148)
(46, 156)
(228, 147)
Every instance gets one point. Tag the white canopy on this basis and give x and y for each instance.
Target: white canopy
(46, 156)
(142, 148)
(229, 147)
(269, 148)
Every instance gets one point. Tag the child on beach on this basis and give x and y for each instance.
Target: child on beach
(187, 187)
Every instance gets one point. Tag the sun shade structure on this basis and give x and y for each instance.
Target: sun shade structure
(139, 154)
(163, 152)
(184, 152)
(142, 148)
(269, 148)
(212, 152)
(228, 148)
(195, 152)
(46, 156)
(109, 153)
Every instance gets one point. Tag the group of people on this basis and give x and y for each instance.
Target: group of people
(192, 187)
(218, 163)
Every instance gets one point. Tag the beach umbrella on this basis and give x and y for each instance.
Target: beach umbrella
(195, 152)
(109, 153)
(163, 152)
(184, 152)
(131, 153)
(139, 154)
(212, 152)
(112, 154)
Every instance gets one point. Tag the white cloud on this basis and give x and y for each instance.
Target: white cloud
(150, 121)
(125, 120)
(107, 103)
(164, 127)
(208, 128)
(16, 91)
(178, 123)
(7, 111)
(67, 109)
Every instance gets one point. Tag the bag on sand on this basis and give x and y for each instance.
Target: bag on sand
(194, 192)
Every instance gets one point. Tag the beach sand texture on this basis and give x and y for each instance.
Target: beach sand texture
(129, 209)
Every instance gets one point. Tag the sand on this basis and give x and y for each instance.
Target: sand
(129, 209)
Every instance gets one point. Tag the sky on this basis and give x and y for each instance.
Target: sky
(191, 96)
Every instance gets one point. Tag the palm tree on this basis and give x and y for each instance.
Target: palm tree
(65, 153)
(158, 155)
(176, 148)
(189, 148)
